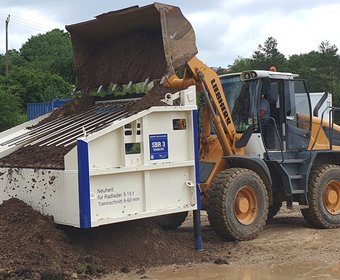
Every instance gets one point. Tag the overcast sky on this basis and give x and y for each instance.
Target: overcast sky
(224, 29)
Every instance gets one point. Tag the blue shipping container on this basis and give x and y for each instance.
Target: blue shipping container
(35, 110)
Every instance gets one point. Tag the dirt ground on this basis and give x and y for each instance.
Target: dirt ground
(288, 248)
(33, 247)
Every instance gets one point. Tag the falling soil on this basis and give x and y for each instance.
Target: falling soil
(32, 247)
(52, 157)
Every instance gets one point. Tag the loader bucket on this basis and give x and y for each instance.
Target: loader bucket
(131, 45)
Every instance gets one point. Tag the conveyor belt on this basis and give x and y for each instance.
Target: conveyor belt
(65, 131)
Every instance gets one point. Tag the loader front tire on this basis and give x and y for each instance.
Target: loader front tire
(324, 197)
(171, 221)
(237, 204)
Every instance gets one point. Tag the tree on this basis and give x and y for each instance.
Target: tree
(34, 85)
(329, 67)
(306, 66)
(268, 55)
(51, 52)
(320, 68)
(240, 64)
(326, 48)
(221, 71)
(11, 113)
(14, 59)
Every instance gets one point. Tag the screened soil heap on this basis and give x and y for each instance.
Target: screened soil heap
(52, 157)
(32, 247)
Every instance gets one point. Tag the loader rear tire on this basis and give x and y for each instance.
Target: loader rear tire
(237, 204)
(171, 221)
(324, 197)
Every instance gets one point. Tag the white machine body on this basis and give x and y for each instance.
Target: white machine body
(139, 166)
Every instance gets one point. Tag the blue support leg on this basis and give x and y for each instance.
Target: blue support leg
(198, 230)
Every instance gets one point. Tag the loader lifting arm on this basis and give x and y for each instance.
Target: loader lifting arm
(197, 73)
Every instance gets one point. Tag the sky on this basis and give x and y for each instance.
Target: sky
(225, 29)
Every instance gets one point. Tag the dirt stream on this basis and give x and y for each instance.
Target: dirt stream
(33, 247)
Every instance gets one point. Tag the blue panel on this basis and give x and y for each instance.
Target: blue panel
(35, 110)
(84, 184)
(56, 103)
(158, 146)
(197, 161)
(198, 230)
(197, 213)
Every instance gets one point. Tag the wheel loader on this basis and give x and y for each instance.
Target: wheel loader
(249, 164)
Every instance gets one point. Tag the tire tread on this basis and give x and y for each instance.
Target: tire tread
(217, 208)
(312, 214)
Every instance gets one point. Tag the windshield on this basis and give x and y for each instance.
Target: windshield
(241, 98)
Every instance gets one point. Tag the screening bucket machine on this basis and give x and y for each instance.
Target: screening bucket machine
(118, 166)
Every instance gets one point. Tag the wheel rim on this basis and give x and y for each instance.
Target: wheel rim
(246, 205)
(331, 198)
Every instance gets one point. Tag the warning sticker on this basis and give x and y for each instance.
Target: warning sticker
(158, 146)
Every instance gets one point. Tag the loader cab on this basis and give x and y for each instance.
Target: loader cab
(241, 98)
(287, 126)
(298, 115)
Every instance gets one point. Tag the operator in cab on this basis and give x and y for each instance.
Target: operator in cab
(264, 112)
(264, 108)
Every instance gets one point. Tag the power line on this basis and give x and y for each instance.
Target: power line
(30, 25)
(27, 21)
(6, 58)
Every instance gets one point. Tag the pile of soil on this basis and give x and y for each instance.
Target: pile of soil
(72, 107)
(52, 157)
(32, 247)
(49, 157)
(152, 98)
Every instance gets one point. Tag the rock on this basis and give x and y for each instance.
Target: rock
(3, 273)
(125, 269)
(220, 261)
(140, 272)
